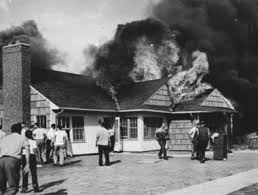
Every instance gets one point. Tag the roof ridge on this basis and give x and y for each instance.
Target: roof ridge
(63, 72)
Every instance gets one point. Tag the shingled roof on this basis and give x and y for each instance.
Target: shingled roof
(73, 91)
(68, 90)
(134, 95)
(195, 105)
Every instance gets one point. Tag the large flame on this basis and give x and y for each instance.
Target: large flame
(151, 59)
(190, 81)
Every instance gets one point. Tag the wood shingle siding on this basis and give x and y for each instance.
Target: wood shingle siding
(160, 98)
(179, 139)
(39, 106)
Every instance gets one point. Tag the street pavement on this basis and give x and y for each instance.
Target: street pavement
(144, 173)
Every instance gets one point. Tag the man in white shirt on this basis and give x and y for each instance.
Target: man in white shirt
(39, 134)
(50, 142)
(60, 138)
(193, 134)
(10, 160)
(103, 143)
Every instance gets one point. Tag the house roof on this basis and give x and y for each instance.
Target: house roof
(70, 90)
(134, 95)
(80, 92)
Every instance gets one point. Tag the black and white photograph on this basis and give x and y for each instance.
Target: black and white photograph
(129, 97)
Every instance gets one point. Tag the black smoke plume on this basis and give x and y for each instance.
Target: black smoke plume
(227, 31)
(42, 55)
(114, 61)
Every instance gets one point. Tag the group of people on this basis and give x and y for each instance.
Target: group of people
(17, 150)
(199, 136)
(29, 148)
(52, 144)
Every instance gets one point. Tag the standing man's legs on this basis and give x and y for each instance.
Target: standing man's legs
(162, 144)
(101, 150)
(165, 150)
(38, 151)
(112, 140)
(106, 152)
(61, 155)
(55, 154)
(12, 169)
(43, 150)
(24, 175)
(48, 149)
(33, 170)
(3, 179)
(160, 151)
(203, 146)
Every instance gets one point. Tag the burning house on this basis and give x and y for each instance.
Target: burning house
(138, 108)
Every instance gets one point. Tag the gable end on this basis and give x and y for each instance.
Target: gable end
(159, 98)
(216, 99)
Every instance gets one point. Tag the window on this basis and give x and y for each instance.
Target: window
(78, 128)
(123, 128)
(150, 126)
(64, 121)
(42, 121)
(133, 128)
(128, 128)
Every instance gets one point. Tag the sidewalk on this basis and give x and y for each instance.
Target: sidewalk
(221, 186)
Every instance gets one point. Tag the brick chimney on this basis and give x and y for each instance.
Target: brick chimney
(16, 84)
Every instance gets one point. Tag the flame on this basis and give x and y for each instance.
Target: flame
(151, 59)
(191, 79)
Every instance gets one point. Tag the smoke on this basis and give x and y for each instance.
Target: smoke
(135, 53)
(42, 56)
(227, 32)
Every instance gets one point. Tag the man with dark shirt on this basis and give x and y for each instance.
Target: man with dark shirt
(204, 135)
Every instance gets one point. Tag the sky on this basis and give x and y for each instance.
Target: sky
(71, 25)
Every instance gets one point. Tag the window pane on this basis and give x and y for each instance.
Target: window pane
(78, 135)
(78, 121)
(150, 126)
(133, 127)
(41, 120)
(124, 128)
(63, 121)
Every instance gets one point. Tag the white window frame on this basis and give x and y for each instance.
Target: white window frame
(74, 129)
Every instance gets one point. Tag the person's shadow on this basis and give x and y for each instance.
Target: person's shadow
(115, 162)
(50, 184)
(58, 192)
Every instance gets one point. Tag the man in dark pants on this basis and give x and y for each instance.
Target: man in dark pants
(162, 137)
(33, 165)
(10, 160)
(203, 140)
(103, 143)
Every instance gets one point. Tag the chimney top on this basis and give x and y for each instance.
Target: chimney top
(17, 42)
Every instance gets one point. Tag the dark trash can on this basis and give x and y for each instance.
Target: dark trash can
(220, 147)
(253, 143)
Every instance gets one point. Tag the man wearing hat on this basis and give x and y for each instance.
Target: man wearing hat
(204, 135)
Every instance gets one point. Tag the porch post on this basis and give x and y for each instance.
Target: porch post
(231, 124)
(119, 147)
(140, 128)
